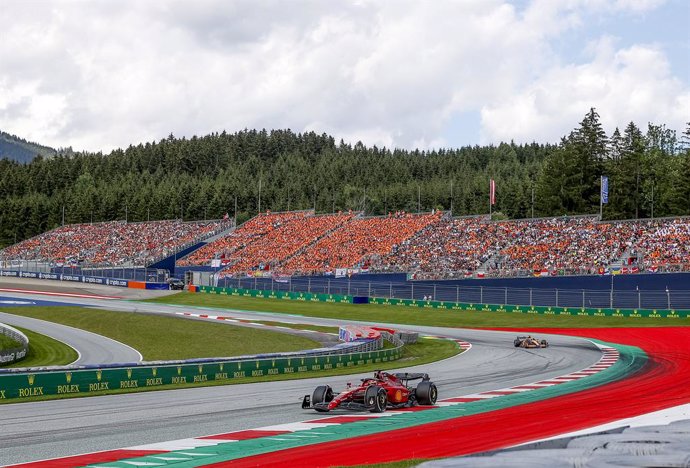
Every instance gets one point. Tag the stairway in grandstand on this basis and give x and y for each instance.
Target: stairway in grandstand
(168, 263)
(219, 235)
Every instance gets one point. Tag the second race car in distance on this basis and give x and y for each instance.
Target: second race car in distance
(530, 342)
(375, 394)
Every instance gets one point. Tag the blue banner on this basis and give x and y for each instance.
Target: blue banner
(77, 278)
(604, 189)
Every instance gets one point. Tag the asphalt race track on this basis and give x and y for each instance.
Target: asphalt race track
(92, 348)
(58, 428)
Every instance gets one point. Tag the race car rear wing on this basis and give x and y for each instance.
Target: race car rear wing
(411, 376)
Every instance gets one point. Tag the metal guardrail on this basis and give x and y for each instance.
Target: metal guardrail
(8, 356)
(27, 383)
(353, 347)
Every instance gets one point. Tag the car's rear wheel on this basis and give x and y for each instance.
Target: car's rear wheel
(322, 394)
(426, 393)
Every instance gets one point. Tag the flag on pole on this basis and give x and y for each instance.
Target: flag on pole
(492, 192)
(604, 189)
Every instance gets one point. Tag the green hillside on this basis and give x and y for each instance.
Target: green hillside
(20, 150)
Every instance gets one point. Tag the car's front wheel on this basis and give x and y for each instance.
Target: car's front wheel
(376, 399)
(322, 394)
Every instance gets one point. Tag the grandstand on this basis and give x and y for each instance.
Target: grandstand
(358, 242)
(254, 230)
(463, 247)
(437, 246)
(115, 243)
(284, 242)
(425, 246)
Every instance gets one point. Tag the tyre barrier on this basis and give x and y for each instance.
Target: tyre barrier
(11, 355)
(63, 380)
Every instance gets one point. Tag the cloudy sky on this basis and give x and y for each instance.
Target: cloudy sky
(97, 74)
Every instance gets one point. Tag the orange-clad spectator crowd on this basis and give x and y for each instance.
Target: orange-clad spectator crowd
(359, 241)
(281, 243)
(112, 243)
(249, 232)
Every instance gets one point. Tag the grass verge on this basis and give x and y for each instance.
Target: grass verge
(45, 351)
(411, 315)
(8, 343)
(166, 338)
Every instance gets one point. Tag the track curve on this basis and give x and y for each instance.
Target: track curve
(92, 348)
(38, 430)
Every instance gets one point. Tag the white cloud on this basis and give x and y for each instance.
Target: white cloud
(100, 74)
(630, 84)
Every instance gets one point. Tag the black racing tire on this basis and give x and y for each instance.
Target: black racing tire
(544, 344)
(517, 343)
(376, 399)
(322, 394)
(426, 393)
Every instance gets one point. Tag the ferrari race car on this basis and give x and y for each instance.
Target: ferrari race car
(375, 394)
(529, 342)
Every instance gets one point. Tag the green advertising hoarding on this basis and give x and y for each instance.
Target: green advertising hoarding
(296, 296)
(543, 310)
(24, 385)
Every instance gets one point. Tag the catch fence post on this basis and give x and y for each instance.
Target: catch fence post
(434, 297)
(412, 291)
(329, 286)
(505, 297)
(530, 297)
(457, 294)
(390, 290)
(583, 298)
(348, 286)
(556, 297)
(369, 294)
(309, 284)
(481, 294)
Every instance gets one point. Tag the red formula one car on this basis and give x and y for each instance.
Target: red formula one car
(529, 342)
(375, 394)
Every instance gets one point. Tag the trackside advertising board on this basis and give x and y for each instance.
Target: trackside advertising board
(297, 296)
(591, 312)
(672, 314)
(25, 385)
